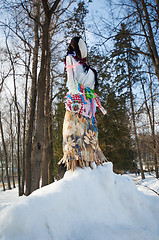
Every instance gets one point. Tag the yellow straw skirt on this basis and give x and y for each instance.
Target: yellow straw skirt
(80, 142)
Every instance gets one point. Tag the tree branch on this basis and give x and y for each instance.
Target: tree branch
(54, 6)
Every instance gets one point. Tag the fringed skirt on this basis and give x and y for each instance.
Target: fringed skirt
(80, 142)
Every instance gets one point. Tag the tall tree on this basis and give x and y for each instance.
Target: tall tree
(150, 110)
(75, 24)
(114, 128)
(35, 24)
(5, 154)
(126, 69)
(2, 171)
(115, 133)
(38, 144)
(147, 13)
(12, 144)
(12, 63)
(33, 95)
(58, 117)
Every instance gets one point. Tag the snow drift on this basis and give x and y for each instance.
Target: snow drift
(85, 205)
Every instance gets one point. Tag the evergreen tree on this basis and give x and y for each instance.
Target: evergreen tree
(116, 139)
(58, 118)
(76, 22)
(126, 67)
(114, 128)
(125, 61)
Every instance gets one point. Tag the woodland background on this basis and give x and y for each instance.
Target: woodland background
(123, 46)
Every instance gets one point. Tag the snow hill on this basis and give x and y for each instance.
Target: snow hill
(85, 205)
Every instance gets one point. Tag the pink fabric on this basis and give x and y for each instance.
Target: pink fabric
(99, 104)
(71, 66)
(83, 92)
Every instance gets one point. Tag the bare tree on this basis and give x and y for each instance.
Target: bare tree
(3, 72)
(25, 118)
(135, 129)
(34, 24)
(18, 115)
(5, 153)
(12, 144)
(38, 145)
(2, 171)
(33, 95)
(149, 31)
(151, 116)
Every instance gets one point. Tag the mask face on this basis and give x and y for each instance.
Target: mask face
(82, 48)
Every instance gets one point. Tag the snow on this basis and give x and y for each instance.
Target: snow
(85, 205)
(150, 185)
(8, 197)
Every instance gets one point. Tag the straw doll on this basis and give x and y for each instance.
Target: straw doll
(80, 133)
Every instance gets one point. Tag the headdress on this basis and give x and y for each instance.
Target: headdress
(78, 49)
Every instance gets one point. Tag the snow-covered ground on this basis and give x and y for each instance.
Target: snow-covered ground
(149, 186)
(85, 205)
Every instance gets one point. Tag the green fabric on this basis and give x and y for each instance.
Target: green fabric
(89, 93)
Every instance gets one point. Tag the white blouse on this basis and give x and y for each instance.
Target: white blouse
(76, 75)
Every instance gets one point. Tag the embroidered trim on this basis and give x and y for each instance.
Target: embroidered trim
(84, 103)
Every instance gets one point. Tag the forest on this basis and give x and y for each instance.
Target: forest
(123, 46)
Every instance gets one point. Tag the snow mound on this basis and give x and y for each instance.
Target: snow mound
(85, 205)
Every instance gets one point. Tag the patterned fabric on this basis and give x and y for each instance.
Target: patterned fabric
(75, 104)
(84, 103)
(80, 142)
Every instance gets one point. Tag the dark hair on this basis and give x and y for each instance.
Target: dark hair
(74, 48)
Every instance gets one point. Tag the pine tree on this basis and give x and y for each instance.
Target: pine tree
(125, 62)
(114, 128)
(116, 139)
(75, 26)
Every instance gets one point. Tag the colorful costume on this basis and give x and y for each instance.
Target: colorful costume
(80, 133)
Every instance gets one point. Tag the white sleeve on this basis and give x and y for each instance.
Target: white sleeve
(72, 83)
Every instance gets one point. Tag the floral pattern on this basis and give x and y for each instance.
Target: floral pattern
(80, 142)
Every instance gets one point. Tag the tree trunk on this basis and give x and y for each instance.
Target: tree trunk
(24, 123)
(33, 95)
(50, 163)
(38, 145)
(45, 159)
(18, 116)
(133, 117)
(18, 153)
(2, 176)
(152, 123)
(135, 132)
(5, 154)
(12, 147)
(151, 39)
(153, 132)
(147, 29)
